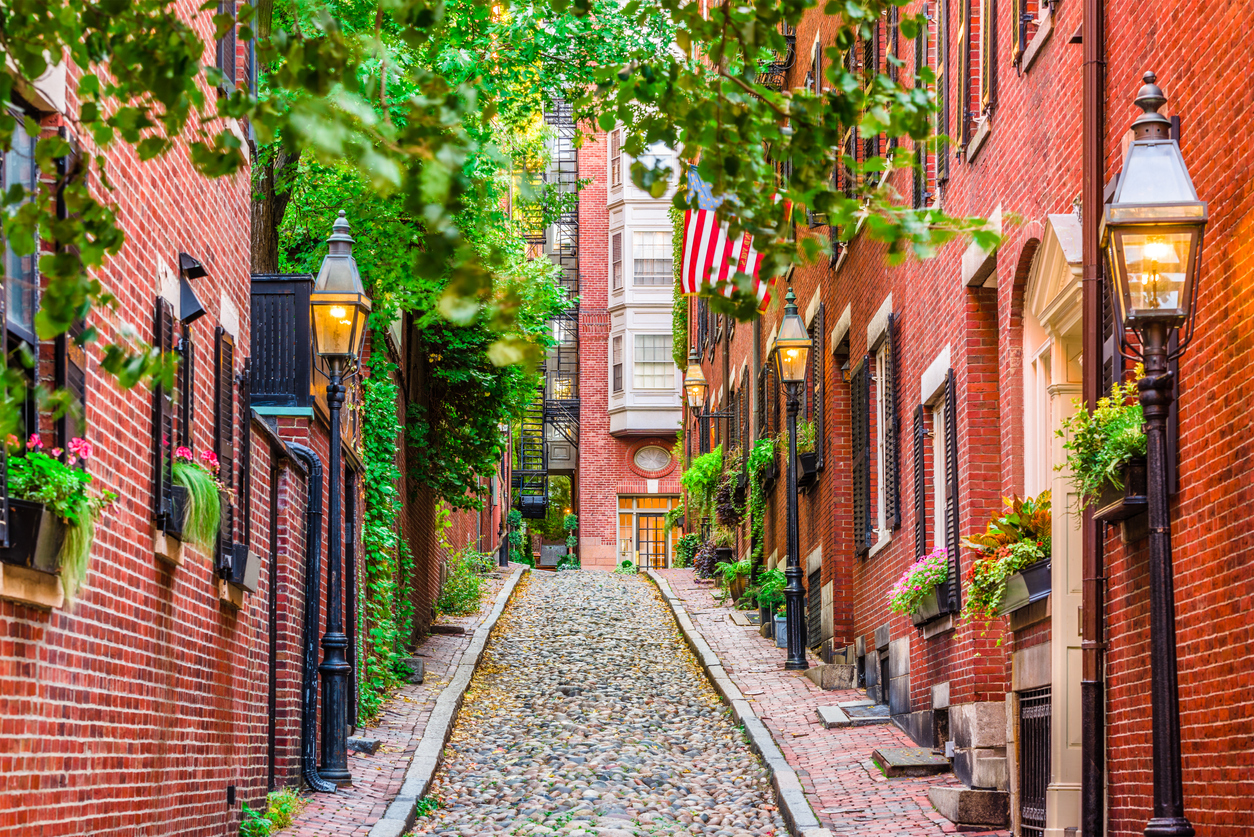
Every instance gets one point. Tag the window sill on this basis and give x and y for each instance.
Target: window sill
(1038, 42)
(230, 595)
(941, 625)
(31, 587)
(879, 546)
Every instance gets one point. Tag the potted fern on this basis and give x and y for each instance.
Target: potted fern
(52, 515)
(200, 508)
(807, 457)
(1106, 454)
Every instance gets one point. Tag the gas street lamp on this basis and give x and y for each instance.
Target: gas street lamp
(1152, 235)
(695, 385)
(338, 307)
(792, 354)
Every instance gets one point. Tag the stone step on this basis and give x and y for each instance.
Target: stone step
(971, 807)
(909, 761)
(853, 714)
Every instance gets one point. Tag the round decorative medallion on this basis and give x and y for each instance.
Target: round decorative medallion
(652, 458)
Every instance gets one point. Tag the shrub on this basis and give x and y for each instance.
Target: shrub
(626, 567)
(918, 580)
(685, 548)
(703, 561)
(282, 806)
(464, 585)
(770, 590)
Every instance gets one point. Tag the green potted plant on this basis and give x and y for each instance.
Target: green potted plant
(201, 514)
(734, 576)
(724, 540)
(1012, 566)
(916, 593)
(570, 523)
(770, 595)
(52, 515)
(807, 458)
(1106, 454)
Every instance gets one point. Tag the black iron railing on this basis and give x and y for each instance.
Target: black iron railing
(1034, 713)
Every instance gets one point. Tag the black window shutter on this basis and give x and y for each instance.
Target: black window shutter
(224, 437)
(860, 420)
(942, 92)
(70, 365)
(187, 387)
(246, 457)
(951, 502)
(920, 483)
(818, 360)
(226, 47)
(892, 429)
(763, 430)
(163, 418)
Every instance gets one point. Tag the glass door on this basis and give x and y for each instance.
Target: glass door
(651, 541)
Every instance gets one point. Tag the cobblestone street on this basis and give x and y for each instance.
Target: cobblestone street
(589, 716)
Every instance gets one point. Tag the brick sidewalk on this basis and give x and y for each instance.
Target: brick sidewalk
(848, 793)
(376, 779)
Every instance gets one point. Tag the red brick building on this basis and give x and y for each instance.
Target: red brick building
(937, 388)
(182, 681)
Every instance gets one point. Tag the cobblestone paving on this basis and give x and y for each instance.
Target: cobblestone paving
(847, 791)
(378, 778)
(589, 716)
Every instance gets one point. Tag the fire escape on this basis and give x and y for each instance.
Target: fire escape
(553, 418)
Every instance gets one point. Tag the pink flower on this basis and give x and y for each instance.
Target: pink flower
(34, 442)
(183, 453)
(57, 452)
(80, 448)
(210, 458)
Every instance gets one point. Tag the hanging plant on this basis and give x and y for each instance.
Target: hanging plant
(701, 480)
(204, 503)
(58, 482)
(1018, 538)
(761, 456)
(727, 510)
(1100, 443)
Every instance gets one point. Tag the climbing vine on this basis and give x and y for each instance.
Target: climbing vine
(679, 312)
(761, 455)
(385, 611)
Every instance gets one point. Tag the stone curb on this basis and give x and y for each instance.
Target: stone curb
(792, 799)
(399, 816)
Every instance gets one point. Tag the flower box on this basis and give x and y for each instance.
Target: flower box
(1031, 584)
(807, 469)
(180, 500)
(929, 608)
(35, 537)
(1117, 504)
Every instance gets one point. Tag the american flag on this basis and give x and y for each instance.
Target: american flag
(710, 258)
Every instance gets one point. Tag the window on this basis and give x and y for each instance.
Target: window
(977, 80)
(225, 55)
(816, 386)
(860, 433)
(651, 259)
(887, 484)
(942, 92)
(616, 158)
(925, 152)
(656, 156)
(654, 368)
(940, 480)
(224, 439)
(616, 363)
(617, 261)
(21, 282)
(881, 448)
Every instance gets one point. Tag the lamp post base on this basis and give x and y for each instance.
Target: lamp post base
(1169, 827)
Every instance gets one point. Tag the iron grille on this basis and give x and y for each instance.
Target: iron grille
(1034, 712)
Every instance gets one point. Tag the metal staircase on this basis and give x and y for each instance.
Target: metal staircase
(531, 479)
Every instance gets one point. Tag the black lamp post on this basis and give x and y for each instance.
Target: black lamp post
(792, 353)
(1152, 234)
(338, 307)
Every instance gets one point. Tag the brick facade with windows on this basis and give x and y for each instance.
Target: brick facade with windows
(1007, 326)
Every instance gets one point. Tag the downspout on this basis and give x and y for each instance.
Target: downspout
(1093, 645)
(313, 597)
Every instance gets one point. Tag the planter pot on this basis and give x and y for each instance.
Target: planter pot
(176, 520)
(737, 587)
(1117, 504)
(766, 627)
(929, 608)
(807, 469)
(770, 475)
(35, 537)
(1029, 585)
(781, 631)
(724, 553)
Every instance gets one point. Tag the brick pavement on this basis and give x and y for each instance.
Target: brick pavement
(848, 793)
(377, 779)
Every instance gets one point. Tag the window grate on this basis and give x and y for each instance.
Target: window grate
(1034, 715)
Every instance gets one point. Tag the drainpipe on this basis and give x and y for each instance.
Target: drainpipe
(313, 597)
(1093, 644)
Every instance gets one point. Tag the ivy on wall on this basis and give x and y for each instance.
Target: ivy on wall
(679, 314)
(385, 611)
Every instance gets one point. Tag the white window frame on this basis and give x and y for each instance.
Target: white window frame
(882, 531)
(635, 362)
(616, 158)
(617, 384)
(616, 261)
(638, 237)
(940, 477)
